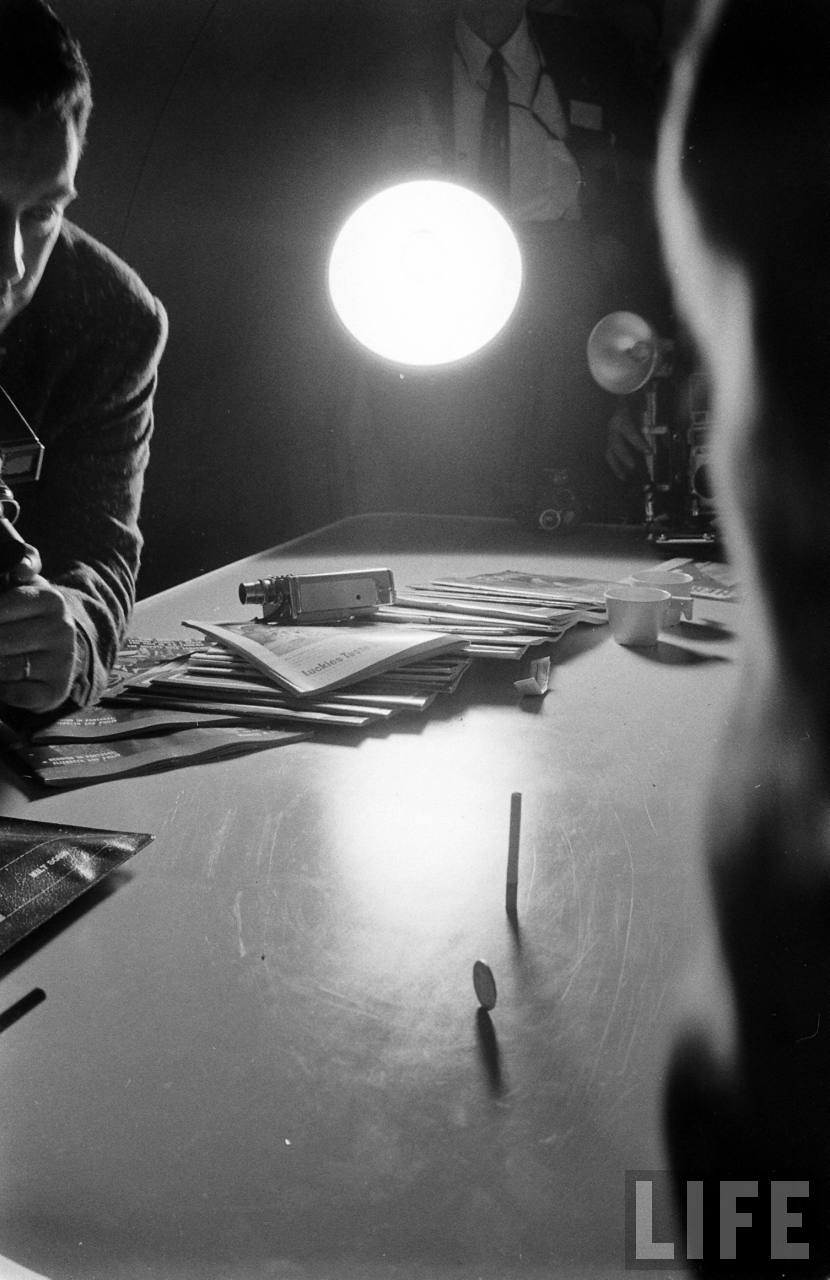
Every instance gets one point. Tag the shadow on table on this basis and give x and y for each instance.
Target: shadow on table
(490, 1054)
(706, 629)
(669, 654)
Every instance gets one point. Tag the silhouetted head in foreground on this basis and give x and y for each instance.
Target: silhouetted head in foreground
(744, 204)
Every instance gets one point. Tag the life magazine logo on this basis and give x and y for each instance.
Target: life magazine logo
(728, 1224)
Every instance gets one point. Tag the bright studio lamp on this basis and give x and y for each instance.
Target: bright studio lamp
(425, 273)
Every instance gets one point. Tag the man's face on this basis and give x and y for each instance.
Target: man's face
(38, 161)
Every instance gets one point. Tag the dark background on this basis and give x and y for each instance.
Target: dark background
(215, 165)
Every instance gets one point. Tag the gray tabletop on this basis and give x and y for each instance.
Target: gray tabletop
(260, 1052)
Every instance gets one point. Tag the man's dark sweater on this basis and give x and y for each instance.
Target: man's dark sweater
(81, 365)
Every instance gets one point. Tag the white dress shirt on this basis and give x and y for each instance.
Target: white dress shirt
(544, 176)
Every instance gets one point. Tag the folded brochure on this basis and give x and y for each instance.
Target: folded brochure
(311, 659)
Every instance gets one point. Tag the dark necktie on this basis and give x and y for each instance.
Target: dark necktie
(494, 167)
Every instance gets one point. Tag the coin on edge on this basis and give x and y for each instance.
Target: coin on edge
(485, 984)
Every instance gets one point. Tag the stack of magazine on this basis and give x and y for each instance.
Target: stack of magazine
(500, 615)
(240, 687)
(348, 676)
(243, 686)
(365, 671)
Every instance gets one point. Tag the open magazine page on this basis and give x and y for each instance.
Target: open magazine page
(311, 659)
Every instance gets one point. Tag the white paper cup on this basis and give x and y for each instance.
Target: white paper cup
(635, 614)
(679, 586)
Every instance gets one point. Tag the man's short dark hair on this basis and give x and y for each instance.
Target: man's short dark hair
(42, 69)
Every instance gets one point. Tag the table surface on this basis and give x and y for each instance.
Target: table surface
(260, 1053)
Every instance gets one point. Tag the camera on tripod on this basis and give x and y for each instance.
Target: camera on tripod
(627, 356)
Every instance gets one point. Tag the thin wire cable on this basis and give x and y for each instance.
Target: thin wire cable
(145, 159)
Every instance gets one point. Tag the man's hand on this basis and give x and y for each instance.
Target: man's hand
(626, 446)
(37, 640)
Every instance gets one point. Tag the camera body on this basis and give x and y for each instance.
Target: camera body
(311, 598)
(678, 500)
(21, 456)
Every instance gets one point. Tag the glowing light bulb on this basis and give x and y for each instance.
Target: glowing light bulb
(425, 273)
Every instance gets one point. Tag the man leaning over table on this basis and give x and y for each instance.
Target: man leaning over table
(80, 342)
